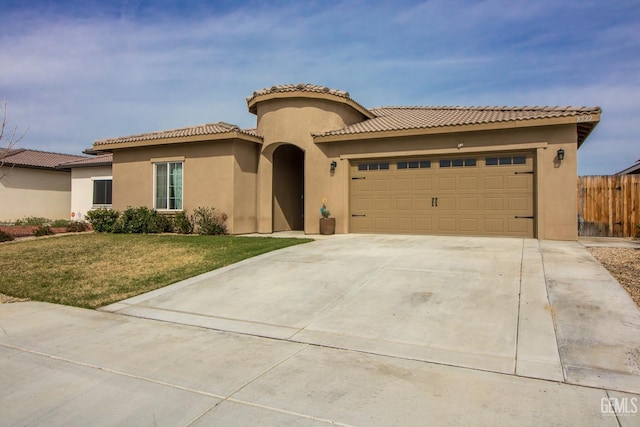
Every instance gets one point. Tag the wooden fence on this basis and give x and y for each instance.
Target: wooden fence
(609, 206)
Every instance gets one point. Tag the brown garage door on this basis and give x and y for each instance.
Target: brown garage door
(483, 195)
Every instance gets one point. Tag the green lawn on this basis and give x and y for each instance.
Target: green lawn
(93, 270)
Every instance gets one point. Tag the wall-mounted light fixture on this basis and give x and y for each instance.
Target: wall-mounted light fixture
(560, 154)
(332, 167)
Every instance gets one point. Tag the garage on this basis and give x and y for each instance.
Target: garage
(483, 194)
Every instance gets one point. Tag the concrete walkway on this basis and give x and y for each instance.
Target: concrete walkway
(351, 330)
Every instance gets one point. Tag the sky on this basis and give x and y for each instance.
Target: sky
(75, 71)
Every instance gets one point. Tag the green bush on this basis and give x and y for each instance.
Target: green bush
(32, 221)
(182, 223)
(103, 220)
(5, 237)
(43, 230)
(142, 220)
(208, 221)
(59, 223)
(77, 226)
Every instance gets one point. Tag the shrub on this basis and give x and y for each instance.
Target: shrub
(5, 237)
(32, 221)
(103, 220)
(77, 226)
(208, 221)
(142, 220)
(182, 223)
(43, 230)
(59, 223)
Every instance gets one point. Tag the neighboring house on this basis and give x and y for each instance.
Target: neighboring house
(90, 184)
(33, 186)
(489, 171)
(632, 170)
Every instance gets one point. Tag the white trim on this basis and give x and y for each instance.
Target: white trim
(154, 180)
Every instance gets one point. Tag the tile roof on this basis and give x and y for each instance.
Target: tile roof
(403, 118)
(102, 160)
(199, 130)
(300, 87)
(37, 158)
(307, 88)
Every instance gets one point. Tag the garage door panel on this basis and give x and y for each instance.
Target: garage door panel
(468, 204)
(382, 185)
(494, 225)
(423, 204)
(404, 184)
(383, 204)
(363, 204)
(519, 182)
(423, 184)
(474, 198)
(494, 182)
(447, 183)
(494, 203)
(468, 183)
(404, 204)
(404, 224)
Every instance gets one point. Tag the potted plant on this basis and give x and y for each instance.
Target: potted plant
(327, 225)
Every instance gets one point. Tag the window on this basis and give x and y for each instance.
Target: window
(457, 163)
(414, 164)
(168, 185)
(102, 192)
(510, 160)
(373, 166)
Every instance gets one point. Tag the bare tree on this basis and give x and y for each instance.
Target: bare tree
(9, 138)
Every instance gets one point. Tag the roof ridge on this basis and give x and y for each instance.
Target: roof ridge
(486, 107)
(22, 150)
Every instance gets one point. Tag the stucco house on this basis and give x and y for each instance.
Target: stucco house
(91, 184)
(489, 171)
(32, 185)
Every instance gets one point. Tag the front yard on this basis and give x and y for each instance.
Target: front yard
(93, 270)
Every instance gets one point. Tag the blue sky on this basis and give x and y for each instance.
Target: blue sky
(79, 70)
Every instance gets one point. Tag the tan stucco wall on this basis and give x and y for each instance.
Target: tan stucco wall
(211, 176)
(82, 188)
(34, 192)
(293, 121)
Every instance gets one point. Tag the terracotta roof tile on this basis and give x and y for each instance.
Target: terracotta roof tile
(300, 87)
(37, 158)
(104, 159)
(402, 118)
(199, 130)
(307, 88)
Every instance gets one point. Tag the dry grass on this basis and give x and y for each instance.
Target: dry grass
(624, 265)
(94, 270)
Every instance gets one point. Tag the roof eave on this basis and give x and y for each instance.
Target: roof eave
(110, 146)
(511, 124)
(253, 102)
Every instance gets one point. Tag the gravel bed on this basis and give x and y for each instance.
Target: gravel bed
(624, 265)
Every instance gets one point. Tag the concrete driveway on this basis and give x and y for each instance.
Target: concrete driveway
(350, 330)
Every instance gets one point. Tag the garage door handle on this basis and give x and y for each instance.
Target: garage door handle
(434, 202)
(359, 177)
(358, 215)
(525, 217)
(524, 173)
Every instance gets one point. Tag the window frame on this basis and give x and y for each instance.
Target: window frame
(167, 187)
(96, 205)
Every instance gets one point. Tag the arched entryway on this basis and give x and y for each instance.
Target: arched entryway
(288, 188)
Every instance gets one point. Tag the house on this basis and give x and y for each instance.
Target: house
(31, 185)
(632, 170)
(90, 184)
(488, 171)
